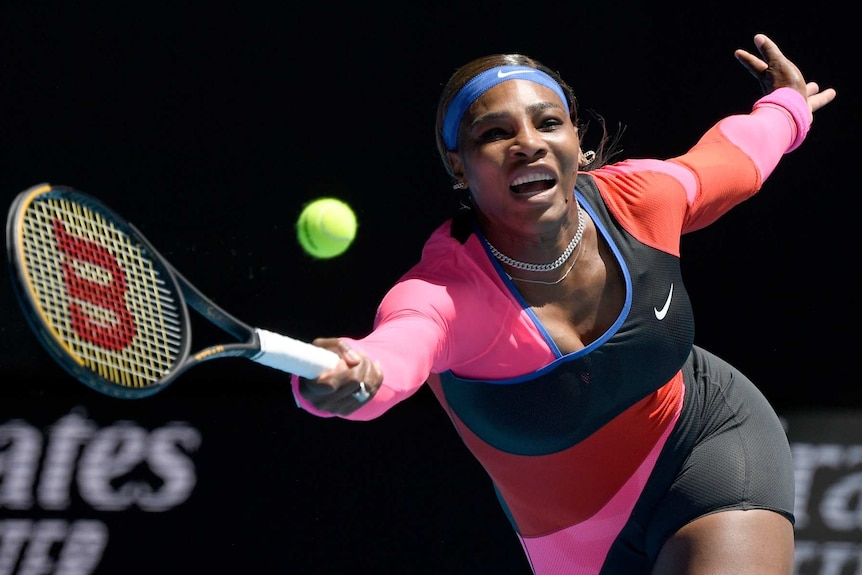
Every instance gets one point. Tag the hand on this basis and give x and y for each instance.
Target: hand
(776, 71)
(333, 391)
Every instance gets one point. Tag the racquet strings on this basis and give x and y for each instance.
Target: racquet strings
(107, 303)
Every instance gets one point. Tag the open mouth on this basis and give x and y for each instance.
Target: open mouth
(532, 183)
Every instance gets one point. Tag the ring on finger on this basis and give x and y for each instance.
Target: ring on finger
(362, 394)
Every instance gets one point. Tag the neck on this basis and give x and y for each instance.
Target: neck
(549, 266)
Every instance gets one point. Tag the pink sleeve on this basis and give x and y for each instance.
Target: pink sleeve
(405, 341)
(793, 103)
(784, 115)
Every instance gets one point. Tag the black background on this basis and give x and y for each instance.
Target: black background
(209, 124)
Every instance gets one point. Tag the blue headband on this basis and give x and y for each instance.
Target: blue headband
(480, 84)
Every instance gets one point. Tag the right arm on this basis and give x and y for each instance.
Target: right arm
(404, 347)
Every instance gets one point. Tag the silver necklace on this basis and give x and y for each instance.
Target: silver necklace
(555, 282)
(543, 267)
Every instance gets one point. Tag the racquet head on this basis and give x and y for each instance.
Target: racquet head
(98, 296)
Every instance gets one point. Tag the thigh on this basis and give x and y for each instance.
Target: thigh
(740, 461)
(754, 542)
(728, 455)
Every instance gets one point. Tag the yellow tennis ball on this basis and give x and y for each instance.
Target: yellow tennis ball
(326, 227)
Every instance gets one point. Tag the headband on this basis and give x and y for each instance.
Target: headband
(480, 84)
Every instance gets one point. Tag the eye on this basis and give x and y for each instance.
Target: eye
(550, 124)
(492, 134)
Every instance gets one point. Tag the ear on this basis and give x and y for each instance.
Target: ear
(585, 158)
(456, 164)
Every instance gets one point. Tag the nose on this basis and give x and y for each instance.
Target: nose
(529, 142)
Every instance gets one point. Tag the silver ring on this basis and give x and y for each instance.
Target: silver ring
(362, 394)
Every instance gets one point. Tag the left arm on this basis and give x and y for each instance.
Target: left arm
(777, 125)
(729, 162)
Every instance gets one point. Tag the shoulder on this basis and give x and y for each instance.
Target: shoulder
(649, 198)
(636, 180)
(452, 269)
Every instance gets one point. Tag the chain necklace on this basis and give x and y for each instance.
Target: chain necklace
(549, 266)
(555, 282)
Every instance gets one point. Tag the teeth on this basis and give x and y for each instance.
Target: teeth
(531, 178)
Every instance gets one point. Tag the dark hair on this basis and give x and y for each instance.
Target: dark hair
(606, 147)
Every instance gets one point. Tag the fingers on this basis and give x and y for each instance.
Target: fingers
(758, 65)
(767, 48)
(346, 387)
(817, 99)
(752, 63)
(772, 68)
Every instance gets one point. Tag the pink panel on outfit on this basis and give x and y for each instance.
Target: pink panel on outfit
(581, 549)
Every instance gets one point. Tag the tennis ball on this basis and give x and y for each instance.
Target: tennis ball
(326, 227)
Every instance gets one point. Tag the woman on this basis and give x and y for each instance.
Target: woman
(551, 321)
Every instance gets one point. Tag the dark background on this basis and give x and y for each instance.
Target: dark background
(209, 124)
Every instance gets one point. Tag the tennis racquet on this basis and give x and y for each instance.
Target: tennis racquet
(111, 310)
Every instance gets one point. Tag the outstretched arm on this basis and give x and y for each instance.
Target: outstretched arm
(753, 143)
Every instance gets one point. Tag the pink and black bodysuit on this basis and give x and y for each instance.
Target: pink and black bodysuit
(598, 456)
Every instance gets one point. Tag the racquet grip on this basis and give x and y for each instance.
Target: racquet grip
(292, 355)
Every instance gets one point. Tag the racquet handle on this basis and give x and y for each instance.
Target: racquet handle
(292, 355)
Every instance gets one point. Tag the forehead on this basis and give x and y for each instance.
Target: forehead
(515, 96)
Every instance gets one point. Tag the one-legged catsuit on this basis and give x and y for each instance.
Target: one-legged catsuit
(598, 456)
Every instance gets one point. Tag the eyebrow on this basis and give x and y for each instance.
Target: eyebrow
(531, 109)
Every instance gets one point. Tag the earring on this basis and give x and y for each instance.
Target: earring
(459, 186)
(586, 158)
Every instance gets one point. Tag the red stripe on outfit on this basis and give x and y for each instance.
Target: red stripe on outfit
(570, 486)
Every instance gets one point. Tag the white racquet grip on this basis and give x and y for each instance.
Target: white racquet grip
(293, 356)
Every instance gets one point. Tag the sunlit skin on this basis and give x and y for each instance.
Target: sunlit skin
(517, 128)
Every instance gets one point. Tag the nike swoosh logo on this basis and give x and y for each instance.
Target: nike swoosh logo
(502, 74)
(660, 313)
